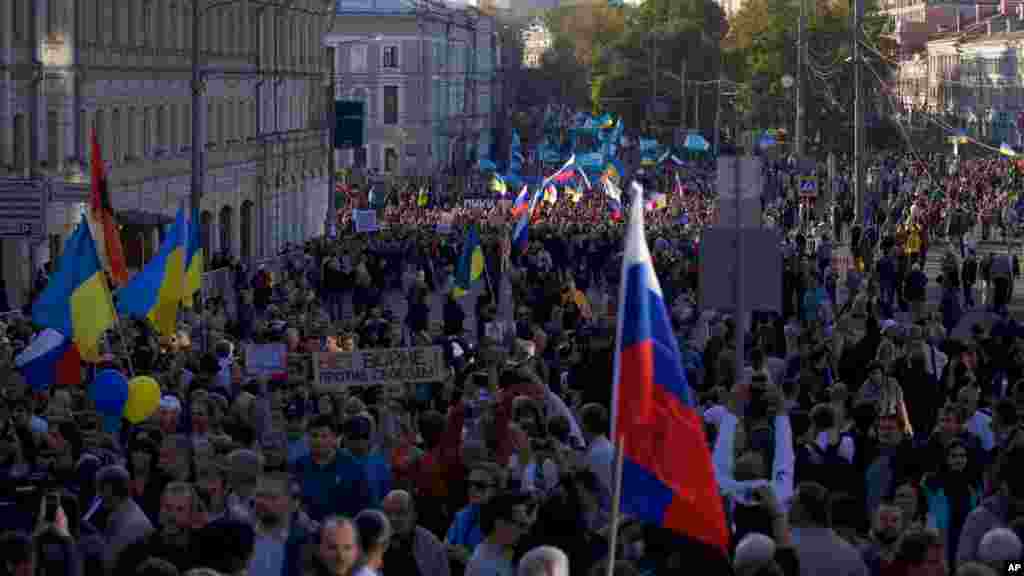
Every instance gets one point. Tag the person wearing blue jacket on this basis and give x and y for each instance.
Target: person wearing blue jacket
(368, 467)
(951, 494)
(327, 476)
(284, 534)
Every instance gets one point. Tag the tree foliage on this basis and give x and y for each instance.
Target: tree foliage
(762, 42)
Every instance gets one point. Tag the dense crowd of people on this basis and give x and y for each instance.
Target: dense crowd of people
(868, 433)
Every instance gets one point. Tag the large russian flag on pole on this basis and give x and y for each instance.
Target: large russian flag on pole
(666, 472)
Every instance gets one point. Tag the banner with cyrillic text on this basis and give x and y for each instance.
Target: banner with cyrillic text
(340, 370)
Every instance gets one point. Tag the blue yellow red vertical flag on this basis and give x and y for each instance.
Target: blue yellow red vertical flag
(76, 301)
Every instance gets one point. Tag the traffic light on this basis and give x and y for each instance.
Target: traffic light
(350, 116)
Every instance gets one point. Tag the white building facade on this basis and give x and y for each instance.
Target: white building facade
(123, 70)
(430, 82)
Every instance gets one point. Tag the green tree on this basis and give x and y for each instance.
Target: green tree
(671, 40)
(762, 41)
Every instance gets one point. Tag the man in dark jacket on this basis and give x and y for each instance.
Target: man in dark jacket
(997, 511)
(173, 541)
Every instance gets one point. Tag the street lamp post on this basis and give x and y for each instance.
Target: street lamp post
(196, 190)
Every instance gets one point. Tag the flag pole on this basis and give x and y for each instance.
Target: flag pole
(613, 523)
(119, 329)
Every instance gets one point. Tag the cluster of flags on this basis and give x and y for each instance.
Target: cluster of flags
(664, 472)
(77, 305)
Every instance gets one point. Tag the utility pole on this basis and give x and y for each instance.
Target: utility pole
(801, 64)
(696, 105)
(858, 111)
(718, 115)
(198, 141)
(34, 83)
(682, 94)
(654, 79)
(332, 168)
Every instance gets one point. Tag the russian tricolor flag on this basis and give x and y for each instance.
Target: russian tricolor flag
(667, 476)
(522, 203)
(520, 234)
(50, 359)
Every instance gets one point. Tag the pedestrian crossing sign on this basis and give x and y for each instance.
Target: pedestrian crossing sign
(808, 186)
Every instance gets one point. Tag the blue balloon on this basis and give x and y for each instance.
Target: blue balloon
(109, 391)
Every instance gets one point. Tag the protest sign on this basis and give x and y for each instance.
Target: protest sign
(266, 359)
(478, 203)
(340, 370)
(365, 220)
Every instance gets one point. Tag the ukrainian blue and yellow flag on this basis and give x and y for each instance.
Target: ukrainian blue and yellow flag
(471, 263)
(193, 261)
(157, 290)
(76, 301)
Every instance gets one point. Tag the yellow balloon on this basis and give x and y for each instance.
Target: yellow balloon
(143, 399)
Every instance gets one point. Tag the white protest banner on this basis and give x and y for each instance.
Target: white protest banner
(266, 359)
(365, 220)
(339, 370)
(478, 203)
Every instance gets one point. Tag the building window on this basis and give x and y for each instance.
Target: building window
(172, 27)
(147, 132)
(20, 148)
(389, 57)
(83, 145)
(128, 10)
(211, 132)
(390, 160)
(390, 105)
(131, 125)
(98, 121)
(115, 130)
(359, 157)
(161, 130)
(53, 22)
(16, 21)
(254, 30)
(172, 125)
(52, 139)
(357, 58)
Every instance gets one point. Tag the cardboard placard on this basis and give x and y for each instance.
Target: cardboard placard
(266, 359)
(340, 370)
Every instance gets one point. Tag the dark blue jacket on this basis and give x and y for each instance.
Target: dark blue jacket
(302, 532)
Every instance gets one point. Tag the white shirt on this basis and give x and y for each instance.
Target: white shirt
(600, 460)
